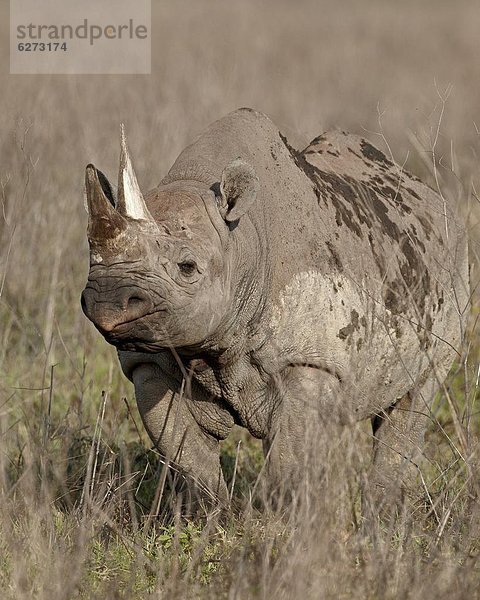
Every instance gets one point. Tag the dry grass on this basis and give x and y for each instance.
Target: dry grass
(77, 485)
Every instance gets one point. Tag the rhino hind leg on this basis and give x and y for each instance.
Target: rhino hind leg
(186, 446)
(393, 480)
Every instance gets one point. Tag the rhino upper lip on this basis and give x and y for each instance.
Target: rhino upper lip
(124, 326)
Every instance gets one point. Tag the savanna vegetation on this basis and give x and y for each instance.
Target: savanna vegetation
(87, 509)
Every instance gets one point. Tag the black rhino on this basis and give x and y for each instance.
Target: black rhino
(275, 289)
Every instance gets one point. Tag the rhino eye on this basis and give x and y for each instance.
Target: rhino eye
(187, 267)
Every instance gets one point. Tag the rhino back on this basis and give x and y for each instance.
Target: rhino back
(386, 299)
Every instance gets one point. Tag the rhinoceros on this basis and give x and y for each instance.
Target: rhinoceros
(277, 290)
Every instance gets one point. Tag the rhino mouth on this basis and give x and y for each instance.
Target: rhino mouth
(131, 328)
(122, 329)
(136, 343)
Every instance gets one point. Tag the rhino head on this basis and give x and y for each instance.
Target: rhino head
(161, 277)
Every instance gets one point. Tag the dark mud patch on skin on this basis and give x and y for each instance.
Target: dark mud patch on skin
(355, 203)
(364, 207)
(378, 255)
(318, 140)
(336, 258)
(427, 228)
(349, 330)
(309, 170)
(396, 197)
(394, 298)
(346, 333)
(344, 215)
(343, 197)
(413, 285)
(413, 193)
(440, 302)
(414, 265)
(381, 212)
(352, 151)
(374, 154)
(426, 340)
(393, 196)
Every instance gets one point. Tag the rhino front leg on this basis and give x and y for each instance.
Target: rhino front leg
(305, 425)
(174, 431)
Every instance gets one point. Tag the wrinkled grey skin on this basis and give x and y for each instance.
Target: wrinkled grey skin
(292, 291)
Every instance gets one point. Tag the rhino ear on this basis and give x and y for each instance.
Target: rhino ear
(238, 189)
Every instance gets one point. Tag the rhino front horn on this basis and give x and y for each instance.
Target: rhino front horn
(130, 201)
(104, 222)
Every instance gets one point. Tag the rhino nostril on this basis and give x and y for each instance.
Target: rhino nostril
(135, 302)
(137, 305)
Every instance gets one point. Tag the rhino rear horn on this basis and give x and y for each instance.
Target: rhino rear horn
(104, 222)
(130, 201)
